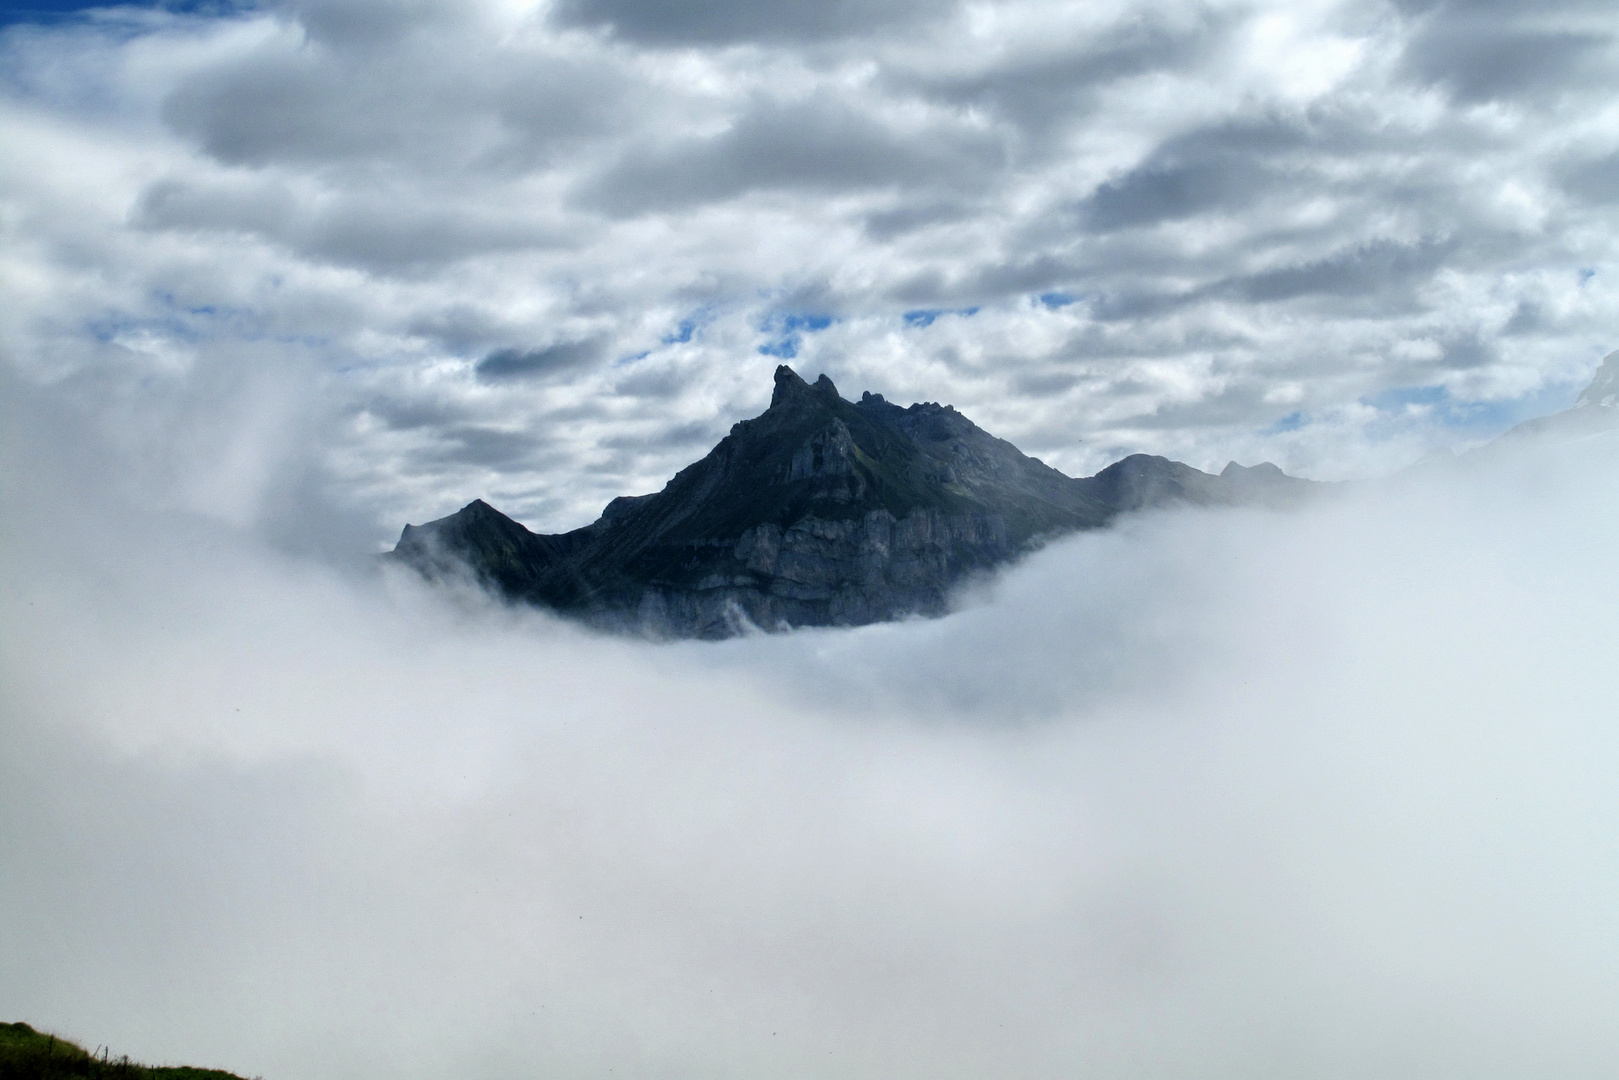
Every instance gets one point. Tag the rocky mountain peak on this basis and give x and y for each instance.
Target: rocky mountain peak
(792, 391)
(819, 511)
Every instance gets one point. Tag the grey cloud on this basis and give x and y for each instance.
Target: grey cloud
(1045, 92)
(550, 360)
(413, 413)
(248, 207)
(276, 107)
(476, 444)
(1240, 403)
(1595, 180)
(432, 104)
(662, 382)
(1381, 266)
(1221, 167)
(366, 230)
(1468, 351)
(910, 216)
(1147, 196)
(1485, 62)
(1498, 9)
(698, 434)
(1046, 382)
(818, 145)
(1526, 318)
(1386, 271)
(721, 22)
(373, 23)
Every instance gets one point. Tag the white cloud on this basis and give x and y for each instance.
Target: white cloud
(1234, 198)
(1229, 794)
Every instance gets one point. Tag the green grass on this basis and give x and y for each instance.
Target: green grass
(26, 1054)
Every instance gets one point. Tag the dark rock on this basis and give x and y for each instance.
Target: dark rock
(817, 512)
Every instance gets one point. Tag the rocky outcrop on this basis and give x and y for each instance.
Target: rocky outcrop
(818, 512)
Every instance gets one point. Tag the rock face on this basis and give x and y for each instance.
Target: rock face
(818, 512)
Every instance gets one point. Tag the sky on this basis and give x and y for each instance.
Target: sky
(329, 266)
(1208, 794)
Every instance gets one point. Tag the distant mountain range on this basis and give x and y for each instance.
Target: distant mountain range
(818, 512)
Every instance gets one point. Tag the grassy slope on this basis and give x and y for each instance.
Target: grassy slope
(26, 1054)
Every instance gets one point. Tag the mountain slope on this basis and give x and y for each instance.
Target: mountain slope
(1596, 410)
(819, 511)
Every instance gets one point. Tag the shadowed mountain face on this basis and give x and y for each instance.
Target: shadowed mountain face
(818, 512)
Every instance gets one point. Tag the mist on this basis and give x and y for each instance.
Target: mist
(1215, 794)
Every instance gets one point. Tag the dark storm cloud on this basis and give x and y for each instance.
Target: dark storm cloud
(1481, 62)
(529, 363)
(820, 145)
(724, 22)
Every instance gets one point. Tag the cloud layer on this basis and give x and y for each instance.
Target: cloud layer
(545, 255)
(1215, 794)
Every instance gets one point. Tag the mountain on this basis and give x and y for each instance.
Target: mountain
(818, 512)
(1596, 410)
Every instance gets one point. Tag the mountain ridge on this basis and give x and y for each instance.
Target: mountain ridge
(819, 511)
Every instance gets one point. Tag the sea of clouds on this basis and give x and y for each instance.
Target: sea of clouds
(1210, 793)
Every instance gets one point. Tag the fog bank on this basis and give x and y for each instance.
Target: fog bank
(1235, 794)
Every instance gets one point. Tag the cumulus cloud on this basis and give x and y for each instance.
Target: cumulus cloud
(522, 219)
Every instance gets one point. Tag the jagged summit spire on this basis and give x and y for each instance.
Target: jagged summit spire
(790, 387)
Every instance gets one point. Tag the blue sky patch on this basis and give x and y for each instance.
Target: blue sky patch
(687, 327)
(1057, 299)
(792, 328)
(925, 316)
(1397, 398)
(1475, 419)
(1291, 422)
(812, 323)
(55, 11)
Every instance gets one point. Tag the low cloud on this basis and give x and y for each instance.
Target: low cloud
(1196, 794)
